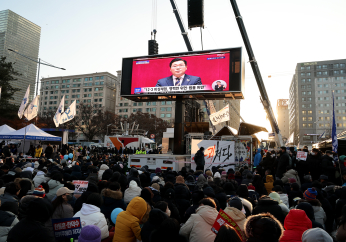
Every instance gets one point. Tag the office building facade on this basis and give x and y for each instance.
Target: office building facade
(311, 101)
(94, 88)
(282, 115)
(23, 36)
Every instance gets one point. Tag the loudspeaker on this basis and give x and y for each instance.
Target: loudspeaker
(153, 47)
(195, 13)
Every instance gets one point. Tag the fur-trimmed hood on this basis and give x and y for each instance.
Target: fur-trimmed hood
(117, 195)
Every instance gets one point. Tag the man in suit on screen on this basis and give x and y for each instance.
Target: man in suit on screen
(178, 68)
(219, 86)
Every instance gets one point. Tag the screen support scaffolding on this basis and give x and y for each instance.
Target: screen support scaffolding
(179, 126)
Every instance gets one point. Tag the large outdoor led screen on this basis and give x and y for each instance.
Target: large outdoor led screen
(209, 72)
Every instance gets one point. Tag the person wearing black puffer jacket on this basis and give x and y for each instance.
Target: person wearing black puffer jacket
(327, 166)
(169, 197)
(112, 199)
(268, 205)
(196, 197)
(31, 228)
(190, 182)
(182, 195)
(156, 217)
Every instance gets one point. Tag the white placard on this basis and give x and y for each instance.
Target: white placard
(80, 186)
(216, 153)
(220, 116)
(302, 155)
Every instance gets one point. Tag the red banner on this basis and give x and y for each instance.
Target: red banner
(221, 219)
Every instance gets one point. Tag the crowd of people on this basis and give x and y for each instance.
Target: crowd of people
(281, 198)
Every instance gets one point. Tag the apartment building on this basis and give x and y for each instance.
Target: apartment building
(311, 100)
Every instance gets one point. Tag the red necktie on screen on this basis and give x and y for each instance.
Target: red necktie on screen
(177, 82)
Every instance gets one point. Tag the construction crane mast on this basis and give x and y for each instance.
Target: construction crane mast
(254, 65)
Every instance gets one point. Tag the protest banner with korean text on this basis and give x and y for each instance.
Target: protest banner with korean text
(216, 153)
(66, 228)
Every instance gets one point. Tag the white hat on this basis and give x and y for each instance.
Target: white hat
(62, 191)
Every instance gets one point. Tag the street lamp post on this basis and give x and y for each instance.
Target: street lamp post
(107, 128)
(39, 63)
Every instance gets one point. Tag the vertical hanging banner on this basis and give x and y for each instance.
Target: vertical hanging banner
(32, 110)
(24, 103)
(58, 113)
(220, 116)
(216, 153)
(69, 113)
(243, 152)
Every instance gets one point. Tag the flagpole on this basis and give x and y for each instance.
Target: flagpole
(24, 140)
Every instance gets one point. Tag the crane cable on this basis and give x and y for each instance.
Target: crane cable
(153, 18)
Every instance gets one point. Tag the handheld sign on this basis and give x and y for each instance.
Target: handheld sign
(302, 155)
(80, 186)
(221, 219)
(66, 228)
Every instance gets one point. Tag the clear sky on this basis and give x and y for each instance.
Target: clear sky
(86, 36)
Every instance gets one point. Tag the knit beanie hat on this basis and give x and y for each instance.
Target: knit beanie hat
(209, 192)
(235, 202)
(90, 233)
(179, 179)
(156, 186)
(275, 196)
(217, 175)
(223, 173)
(251, 187)
(39, 191)
(292, 180)
(310, 194)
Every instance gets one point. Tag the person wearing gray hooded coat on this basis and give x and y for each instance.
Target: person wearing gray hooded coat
(54, 184)
(201, 181)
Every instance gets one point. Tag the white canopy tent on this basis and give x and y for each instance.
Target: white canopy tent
(5, 129)
(30, 132)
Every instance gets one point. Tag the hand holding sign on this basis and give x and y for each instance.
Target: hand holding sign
(80, 186)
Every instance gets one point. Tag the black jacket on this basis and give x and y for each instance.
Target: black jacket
(31, 228)
(199, 158)
(268, 205)
(49, 151)
(282, 164)
(327, 167)
(6, 151)
(156, 217)
(111, 201)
